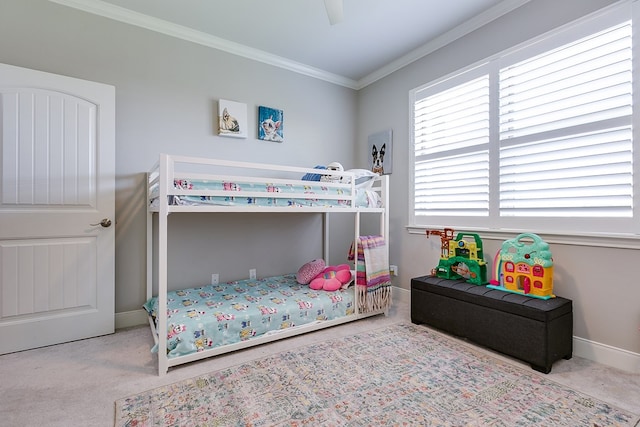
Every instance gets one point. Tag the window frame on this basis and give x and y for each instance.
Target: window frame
(576, 30)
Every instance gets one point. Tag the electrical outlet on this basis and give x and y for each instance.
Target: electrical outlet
(393, 269)
(215, 278)
(252, 273)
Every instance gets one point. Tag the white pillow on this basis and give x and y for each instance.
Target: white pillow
(359, 173)
(364, 178)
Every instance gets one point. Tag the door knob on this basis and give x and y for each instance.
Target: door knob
(104, 223)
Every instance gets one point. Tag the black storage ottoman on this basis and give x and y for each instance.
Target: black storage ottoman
(534, 330)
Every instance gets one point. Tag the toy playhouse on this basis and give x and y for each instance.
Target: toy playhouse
(524, 265)
(460, 257)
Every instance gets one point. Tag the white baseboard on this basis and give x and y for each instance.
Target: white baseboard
(128, 319)
(601, 353)
(607, 355)
(401, 295)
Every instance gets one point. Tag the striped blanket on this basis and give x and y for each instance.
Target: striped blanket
(373, 282)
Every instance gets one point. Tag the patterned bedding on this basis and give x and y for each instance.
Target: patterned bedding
(214, 315)
(280, 194)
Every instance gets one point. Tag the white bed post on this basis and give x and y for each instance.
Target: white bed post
(163, 361)
(384, 217)
(384, 220)
(325, 237)
(356, 239)
(149, 241)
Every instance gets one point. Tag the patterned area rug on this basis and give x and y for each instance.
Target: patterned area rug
(401, 375)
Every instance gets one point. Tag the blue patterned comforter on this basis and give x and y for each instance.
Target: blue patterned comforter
(214, 315)
(236, 193)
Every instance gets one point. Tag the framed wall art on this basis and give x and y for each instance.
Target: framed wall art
(232, 119)
(381, 152)
(270, 124)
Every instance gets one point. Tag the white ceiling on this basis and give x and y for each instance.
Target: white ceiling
(374, 38)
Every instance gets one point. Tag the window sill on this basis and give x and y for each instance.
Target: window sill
(618, 241)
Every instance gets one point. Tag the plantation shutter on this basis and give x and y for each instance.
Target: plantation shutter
(451, 130)
(566, 130)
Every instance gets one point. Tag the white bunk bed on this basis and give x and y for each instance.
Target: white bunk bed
(189, 184)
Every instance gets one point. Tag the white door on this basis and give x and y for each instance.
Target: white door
(57, 154)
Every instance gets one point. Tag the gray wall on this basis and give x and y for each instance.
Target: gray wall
(605, 301)
(166, 96)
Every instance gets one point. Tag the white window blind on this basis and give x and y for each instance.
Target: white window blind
(452, 151)
(546, 137)
(565, 130)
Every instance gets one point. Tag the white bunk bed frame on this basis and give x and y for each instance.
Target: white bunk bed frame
(162, 176)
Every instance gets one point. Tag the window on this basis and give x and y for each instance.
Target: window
(540, 137)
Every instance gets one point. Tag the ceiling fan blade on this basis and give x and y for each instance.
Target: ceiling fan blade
(334, 11)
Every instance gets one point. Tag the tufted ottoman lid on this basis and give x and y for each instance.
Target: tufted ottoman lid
(522, 305)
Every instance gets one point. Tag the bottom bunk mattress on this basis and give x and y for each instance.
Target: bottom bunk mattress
(215, 315)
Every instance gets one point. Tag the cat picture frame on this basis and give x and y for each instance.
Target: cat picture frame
(232, 119)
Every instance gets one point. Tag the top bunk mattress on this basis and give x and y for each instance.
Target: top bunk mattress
(266, 193)
(216, 184)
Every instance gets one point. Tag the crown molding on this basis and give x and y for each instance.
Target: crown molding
(117, 13)
(460, 31)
